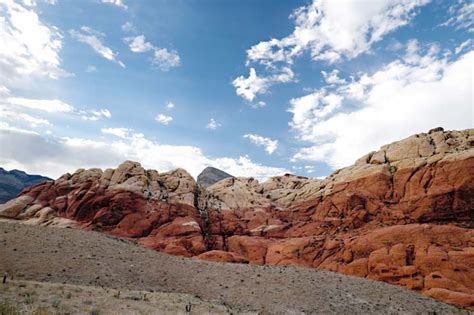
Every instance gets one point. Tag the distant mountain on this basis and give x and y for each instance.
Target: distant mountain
(14, 181)
(211, 175)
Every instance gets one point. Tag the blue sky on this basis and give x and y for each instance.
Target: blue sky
(256, 88)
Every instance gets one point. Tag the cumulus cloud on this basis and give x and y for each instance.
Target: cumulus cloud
(213, 124)
(332, 77)
(95, 40)
(163, 58)
(268, 144)
(163, 119)
(411, 95)
(330, 31)
(54, 156)
(29, 47)
(170, 105)
(118, 3)
(138, 44)
(249, 87)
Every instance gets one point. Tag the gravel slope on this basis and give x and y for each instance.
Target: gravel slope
(89, 258)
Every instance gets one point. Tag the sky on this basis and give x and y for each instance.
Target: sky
(254, 87)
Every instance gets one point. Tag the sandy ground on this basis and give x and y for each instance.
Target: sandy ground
(32, 297)
(92, 259)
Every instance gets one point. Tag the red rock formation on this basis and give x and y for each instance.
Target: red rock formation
(404, 214)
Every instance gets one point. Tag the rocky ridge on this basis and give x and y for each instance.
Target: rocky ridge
(403, 214)
(14, 181)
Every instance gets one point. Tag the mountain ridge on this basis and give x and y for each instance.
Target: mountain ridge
(14, 181)
(403, 214)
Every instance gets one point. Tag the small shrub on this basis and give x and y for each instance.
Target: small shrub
(56, 303)
(29, 298)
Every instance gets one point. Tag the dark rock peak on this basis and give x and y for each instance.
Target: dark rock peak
(14, 181)
(211, 175)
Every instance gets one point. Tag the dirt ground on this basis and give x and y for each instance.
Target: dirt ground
(32, 297)
(95, 261)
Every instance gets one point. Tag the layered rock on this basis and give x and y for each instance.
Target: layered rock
(403, 214)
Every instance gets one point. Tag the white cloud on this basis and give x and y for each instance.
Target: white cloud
(118, 3)
(29, 47)
(463, 45)
(138, 44)
(94, 114)
(19, 118)
(163, 119)
(332, 77)
(249, 87)
(330, 30)
(406, 96)
(312, 108)
(43, 105)
(163, 58)
(123, 133)
(267, 143)
(213, 124)
(95, 40)
(166, 59)
(462, 15)
(170, 105)
(128, 27)
(53, 157)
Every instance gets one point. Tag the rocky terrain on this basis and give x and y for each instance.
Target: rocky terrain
(14, 181)
(94, 267)
(210, 176)
(403, 214)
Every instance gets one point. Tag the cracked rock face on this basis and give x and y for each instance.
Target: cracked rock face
(403, 214)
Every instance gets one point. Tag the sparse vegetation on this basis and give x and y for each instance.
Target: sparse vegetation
(56, 303)
(29, 297)
(8, 309)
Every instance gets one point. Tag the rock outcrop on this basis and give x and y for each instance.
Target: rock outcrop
(211, 175)
(14, 181)
(403, 214)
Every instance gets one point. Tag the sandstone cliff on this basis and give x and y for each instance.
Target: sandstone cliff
(403, 214)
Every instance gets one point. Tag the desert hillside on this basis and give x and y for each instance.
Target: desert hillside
(403, 214)
(91, 263)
